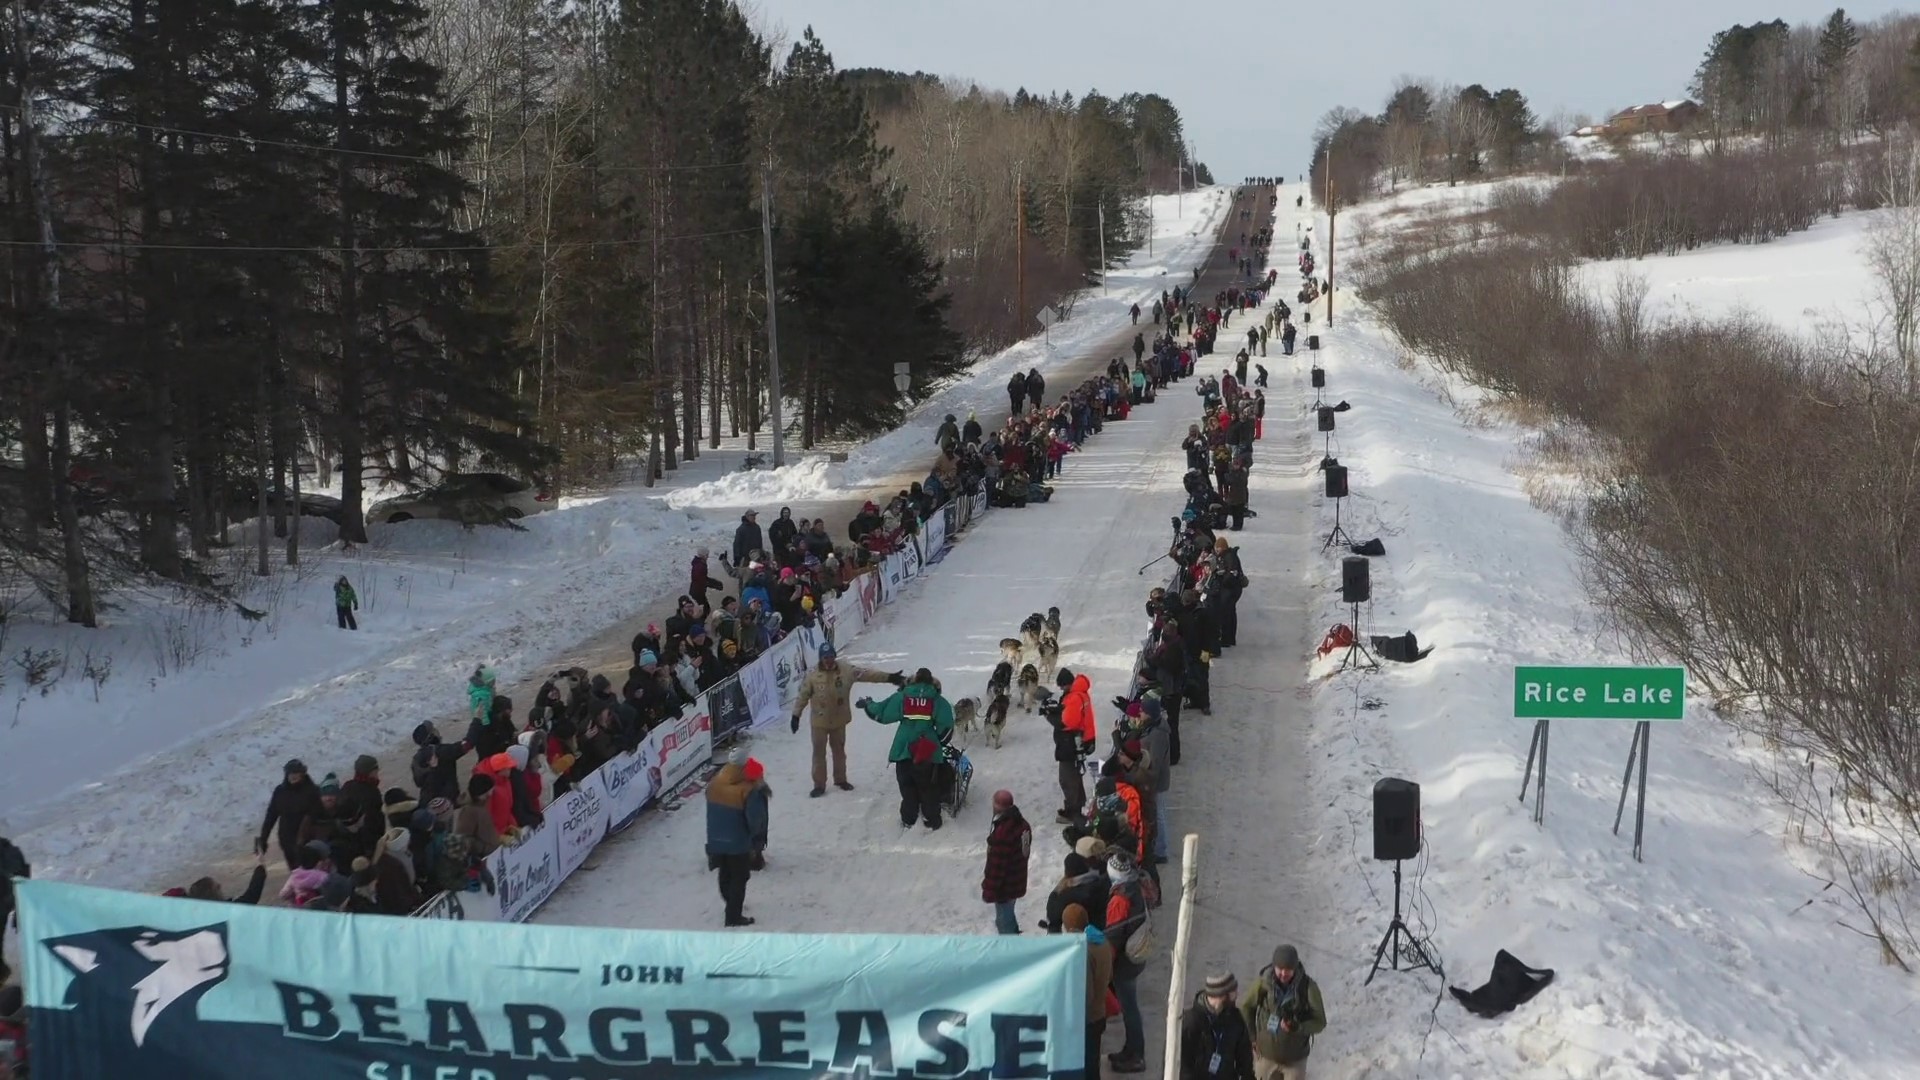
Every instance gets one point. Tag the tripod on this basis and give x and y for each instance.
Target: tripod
(1357, 656)
(1400, 940)
(1338, 534)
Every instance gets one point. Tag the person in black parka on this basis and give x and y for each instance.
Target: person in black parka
(293, 801)
(1214, 1042)
(747, 538)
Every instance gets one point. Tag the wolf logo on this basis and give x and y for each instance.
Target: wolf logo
(135, 985)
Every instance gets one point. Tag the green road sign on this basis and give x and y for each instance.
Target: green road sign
(1600, 693)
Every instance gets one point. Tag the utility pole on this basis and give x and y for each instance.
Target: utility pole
(1020, 256)
(1101, 210)
(1180, 185)
(1329, 234)
(773, 326)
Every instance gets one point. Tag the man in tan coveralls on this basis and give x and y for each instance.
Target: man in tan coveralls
(827, 688)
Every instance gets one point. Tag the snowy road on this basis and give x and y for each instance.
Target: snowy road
(842, 863)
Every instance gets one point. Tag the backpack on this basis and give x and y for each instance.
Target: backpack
(1140, 943)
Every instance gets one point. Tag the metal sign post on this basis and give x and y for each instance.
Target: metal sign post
(1046, 318)
(1597, 693)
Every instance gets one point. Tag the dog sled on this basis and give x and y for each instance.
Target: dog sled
(955, 773)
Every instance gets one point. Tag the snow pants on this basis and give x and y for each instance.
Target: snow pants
(824, 740)
(344, 616)
(919, 793)
(1073, 789)
(734, 872)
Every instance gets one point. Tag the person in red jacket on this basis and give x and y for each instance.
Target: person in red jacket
(1008, 845)
(499, 769)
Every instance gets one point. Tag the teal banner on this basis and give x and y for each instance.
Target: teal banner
(127, 985)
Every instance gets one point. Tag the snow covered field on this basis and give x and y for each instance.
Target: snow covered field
(1717, 956)
(181, 730)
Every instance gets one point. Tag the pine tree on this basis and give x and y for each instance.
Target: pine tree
(420, 373)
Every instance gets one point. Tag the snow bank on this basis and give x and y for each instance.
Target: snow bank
(1185, 229)
(185, 736)
(1714, 957)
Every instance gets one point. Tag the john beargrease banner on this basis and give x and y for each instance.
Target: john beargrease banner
(125, 985)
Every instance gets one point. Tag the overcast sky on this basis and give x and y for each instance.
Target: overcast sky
(1250, 80)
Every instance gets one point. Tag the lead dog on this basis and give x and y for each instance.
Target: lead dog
(1049, 658)
(1030, 628)
(1050, 628)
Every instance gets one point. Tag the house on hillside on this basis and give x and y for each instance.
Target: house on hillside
(1659, 117)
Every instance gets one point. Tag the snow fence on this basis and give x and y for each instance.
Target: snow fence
(674, 760)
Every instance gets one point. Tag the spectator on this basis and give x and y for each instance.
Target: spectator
(1009, 844)
(736, 814)
(13, 864)
(825, 688)
(1214, 1044)
(208, 889)
(747, 538)
(294, 800)
(344, 603)
(436, 766)
(361, 808)
(473, 821)
(1283, 1014)
(1075, 920)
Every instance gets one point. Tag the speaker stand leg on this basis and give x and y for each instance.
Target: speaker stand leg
(1399, 942)
(1338, 535)
(1357, 655)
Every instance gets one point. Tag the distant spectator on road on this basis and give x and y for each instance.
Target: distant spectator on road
(344, 603)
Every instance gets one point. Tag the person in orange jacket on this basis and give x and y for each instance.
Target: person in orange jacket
(499, 769)
(1076, 708)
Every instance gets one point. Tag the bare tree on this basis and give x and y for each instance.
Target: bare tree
(1892, 250)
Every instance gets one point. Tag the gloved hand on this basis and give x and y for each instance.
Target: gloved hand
(1120, 702)
(1206, 657)
(898, 678)
(863, 703)
(794, 724)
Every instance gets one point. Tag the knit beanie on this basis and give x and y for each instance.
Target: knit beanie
(1074, 917)
(366, 765)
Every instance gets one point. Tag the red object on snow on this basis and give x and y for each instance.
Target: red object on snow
(1340, 637)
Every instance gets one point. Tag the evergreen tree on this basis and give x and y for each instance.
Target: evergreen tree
(419, 372)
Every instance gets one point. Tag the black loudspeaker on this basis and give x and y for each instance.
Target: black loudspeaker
(1319, 376)
(1326, 418)
(1336, 481)
(1396, 819)
(1313, 342)
(1356, 581)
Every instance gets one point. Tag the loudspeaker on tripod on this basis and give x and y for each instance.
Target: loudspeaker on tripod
(1396, 819)
(1356, 580)
(1336, 481)
(1326, 417)
(1319, 376)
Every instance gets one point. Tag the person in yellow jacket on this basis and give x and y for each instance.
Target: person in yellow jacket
(826, 688)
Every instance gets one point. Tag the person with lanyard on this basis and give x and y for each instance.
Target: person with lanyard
(1284, 1013)
(1214, 1044)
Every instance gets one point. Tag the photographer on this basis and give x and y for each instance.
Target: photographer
(1284, 1013)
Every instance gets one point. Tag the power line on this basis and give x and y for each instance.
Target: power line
(383, 154)
(109, 245)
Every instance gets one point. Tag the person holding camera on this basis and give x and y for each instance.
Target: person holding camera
(1284, 1013)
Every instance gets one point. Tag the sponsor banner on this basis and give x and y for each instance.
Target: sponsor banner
(936, 534)
(581, 818)
(892, 576)
(679, 746)
(730, 712)
(474, 906)
(869, 587)
(761, 681)
(628, 785)
(847, 615)
(120, 984)
(912, 562)
(524, 875)
(980, 505)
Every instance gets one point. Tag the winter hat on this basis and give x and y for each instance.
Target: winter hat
(786, 573)
(501, 763)
(442, 810)
(1150, 704)
(292, 767)
(1286, 956)
(1132, 747)
(806, 603)
(697, 630)
(701, 551)
(1074, 917)
(366, 765)
(754, 770)
(827, 652)
(479, 786)
(519, 755)
(1002, 800)
(1076, 864)
(1220, 985)
(1134, 709)
(737, 756)
(1120, 863)
(1091, 848)
(527, 737)
(1064, 680)
(329, 785)
(647, 657)
(318, 849)
(426, 733)
(397, 801)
